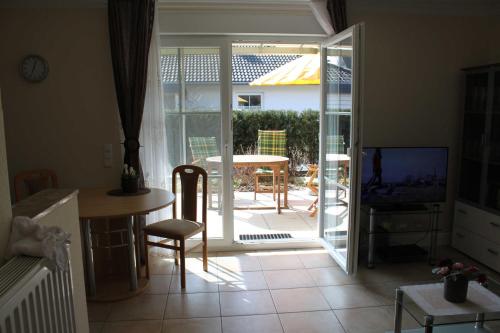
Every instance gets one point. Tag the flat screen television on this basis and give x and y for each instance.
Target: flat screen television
(404, 175)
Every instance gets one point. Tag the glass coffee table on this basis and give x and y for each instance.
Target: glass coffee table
(426, 304)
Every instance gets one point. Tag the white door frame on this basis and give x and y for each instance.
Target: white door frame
(356, 32)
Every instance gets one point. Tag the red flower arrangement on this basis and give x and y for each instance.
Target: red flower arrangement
(452, 269)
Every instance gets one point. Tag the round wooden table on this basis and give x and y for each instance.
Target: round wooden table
(95, 203)
(275, 163)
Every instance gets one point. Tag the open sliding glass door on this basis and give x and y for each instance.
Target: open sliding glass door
(340, 146)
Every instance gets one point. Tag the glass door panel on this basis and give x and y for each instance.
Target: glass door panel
(192, 104)
(339, 152)
(473, 136)
(493, 179)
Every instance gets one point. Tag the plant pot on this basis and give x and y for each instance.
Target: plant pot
(130, 185)
(455, 288)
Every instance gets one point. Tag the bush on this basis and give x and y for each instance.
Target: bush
(302, 130)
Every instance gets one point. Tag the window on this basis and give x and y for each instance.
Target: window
(249, 102)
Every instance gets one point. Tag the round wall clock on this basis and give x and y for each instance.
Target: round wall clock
(34, 68)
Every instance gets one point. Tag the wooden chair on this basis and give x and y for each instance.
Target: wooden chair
(179, 230)
(29, 182)
(312, 184)
(269, 142)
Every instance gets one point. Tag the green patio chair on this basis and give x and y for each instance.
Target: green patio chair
(269, 142)
(201, 148)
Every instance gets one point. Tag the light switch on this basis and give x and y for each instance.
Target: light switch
(108, 155)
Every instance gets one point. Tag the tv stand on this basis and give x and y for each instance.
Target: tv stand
(432, 211)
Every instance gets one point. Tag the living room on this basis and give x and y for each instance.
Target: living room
(410, 94)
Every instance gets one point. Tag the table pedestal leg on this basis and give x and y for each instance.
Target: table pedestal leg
(89, 258)
(429, 320)
(398, 311)
(131, 253)
(479, 321)
(285, 186)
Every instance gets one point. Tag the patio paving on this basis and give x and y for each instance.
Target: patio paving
(295, 220)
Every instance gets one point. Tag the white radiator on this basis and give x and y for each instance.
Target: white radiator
(35, 299)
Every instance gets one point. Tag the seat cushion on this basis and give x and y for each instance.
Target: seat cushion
(174, 228)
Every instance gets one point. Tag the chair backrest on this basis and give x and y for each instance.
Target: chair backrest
(27, 183)
(201, 148)
(271, 143)
(189, 176)
(335, 144)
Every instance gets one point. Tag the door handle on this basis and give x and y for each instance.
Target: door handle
(493, 252)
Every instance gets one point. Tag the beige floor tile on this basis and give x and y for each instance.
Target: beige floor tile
(139, 326)
(159, 284)
(142, 307)
(160, 265)
(193, 305)
(252, 324)
(240, 281)
(330, 276)
(195, 283)
(371, 320)
(352, 296)
(194, 264)
(95, 327)
(239, 262)
(299, 300)
(193, 325)
(279, 260)
(280, 279)
(240, 303)
(98, 311)
(311, 322)
(316, 259)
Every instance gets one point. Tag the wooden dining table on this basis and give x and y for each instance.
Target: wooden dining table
(275, 163)
(97, 204)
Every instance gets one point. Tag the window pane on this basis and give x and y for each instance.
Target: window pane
(255, 100)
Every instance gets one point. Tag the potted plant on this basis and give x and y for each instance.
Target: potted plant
(456, 277)
(130, 180)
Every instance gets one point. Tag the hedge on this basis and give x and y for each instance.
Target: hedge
(302, 130)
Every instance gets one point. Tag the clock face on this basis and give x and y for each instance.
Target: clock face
(34, 68)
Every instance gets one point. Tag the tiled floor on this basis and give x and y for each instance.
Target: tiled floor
(299, 291)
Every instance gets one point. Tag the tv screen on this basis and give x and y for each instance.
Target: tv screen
(404, 175)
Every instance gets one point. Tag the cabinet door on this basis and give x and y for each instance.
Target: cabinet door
(493, 178)
(473, 136)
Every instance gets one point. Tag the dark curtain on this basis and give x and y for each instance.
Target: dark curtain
(337, 11)
(130, 30)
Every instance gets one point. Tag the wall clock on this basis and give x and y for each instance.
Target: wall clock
(34, 68)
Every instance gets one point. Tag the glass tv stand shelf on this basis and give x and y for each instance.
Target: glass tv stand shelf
(375, 228)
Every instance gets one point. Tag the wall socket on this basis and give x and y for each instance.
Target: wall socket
(108, 155)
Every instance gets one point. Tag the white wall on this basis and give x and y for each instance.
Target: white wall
(249, 21)
(297, 98)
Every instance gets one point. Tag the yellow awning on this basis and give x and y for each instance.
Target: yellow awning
(303, 70)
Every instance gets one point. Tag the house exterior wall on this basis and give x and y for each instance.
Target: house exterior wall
(203, 97)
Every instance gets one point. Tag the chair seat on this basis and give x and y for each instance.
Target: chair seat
(174, 228)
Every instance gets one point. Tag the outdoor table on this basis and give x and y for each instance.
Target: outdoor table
(275, 163)
(96, 203)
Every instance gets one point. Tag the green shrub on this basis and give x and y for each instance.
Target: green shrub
(302, 130)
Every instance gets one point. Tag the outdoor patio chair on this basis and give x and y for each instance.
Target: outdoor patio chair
(269, 142)
(335, 144)
(201, 148)
(179, 230)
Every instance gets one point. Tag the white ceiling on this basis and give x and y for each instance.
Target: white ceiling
(443, 7)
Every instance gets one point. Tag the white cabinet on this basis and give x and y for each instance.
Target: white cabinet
(477, 233)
